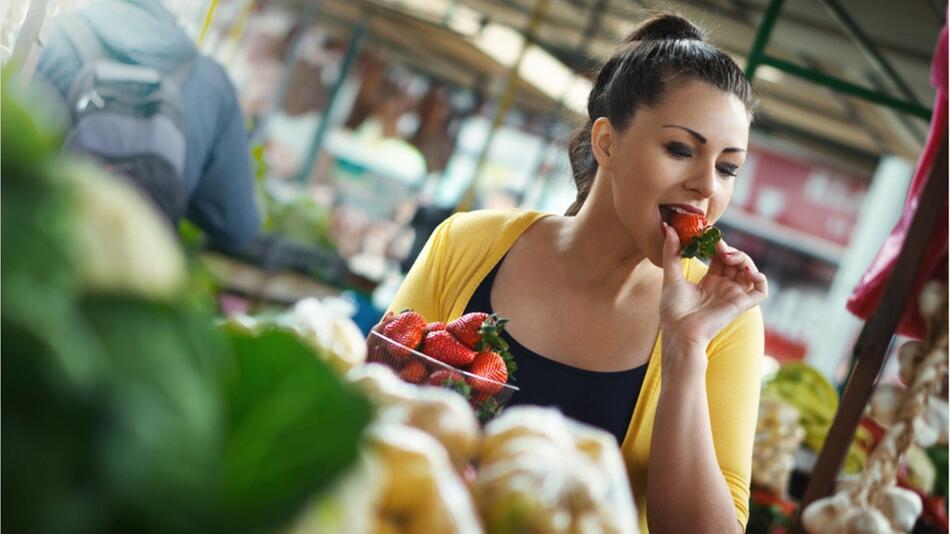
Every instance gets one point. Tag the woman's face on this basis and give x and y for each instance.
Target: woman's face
(682, 153)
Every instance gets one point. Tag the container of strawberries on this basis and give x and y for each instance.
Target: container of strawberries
(467, 355)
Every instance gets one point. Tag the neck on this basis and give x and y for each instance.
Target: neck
(599, 252)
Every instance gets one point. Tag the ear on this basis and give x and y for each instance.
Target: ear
(602, 140)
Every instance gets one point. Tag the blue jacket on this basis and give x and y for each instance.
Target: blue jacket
(219, 181)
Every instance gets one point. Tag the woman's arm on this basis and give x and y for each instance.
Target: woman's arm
(686, 491)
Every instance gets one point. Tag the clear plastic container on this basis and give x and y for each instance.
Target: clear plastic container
(484, 394)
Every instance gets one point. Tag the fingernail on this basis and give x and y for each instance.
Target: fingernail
(747, 269)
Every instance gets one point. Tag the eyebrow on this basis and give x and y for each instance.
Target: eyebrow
(701, 138)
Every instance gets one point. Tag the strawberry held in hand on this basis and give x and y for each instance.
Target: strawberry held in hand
(697, 237)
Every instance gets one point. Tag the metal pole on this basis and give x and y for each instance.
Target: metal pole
(290, 60)
(871, 348)
(762, 38)
(349, 59)
(851, 27)
(504, 102)
(25, 51)
(236, 32)
(593, 22)
(846, 87)
(209, 16)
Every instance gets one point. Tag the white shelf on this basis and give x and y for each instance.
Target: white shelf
(786, 236)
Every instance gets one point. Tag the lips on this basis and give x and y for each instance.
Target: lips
(667, 211)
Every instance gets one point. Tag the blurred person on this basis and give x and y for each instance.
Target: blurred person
(608, 322)
(213, 185)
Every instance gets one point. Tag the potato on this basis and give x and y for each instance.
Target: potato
(449, 418)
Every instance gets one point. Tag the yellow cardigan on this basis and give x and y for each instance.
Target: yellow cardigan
(465, 248)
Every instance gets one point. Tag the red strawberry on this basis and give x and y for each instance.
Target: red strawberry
(414, 372)
(688, 226)
(435, 326)
(407, 329)
(440, 377)
(443, 346)
(451, 380)
(466, 328)
(490, 365)
(697, 238)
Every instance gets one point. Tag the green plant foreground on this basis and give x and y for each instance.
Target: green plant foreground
(122, 413)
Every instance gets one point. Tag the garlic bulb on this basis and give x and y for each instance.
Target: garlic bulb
(901, 507)
(932, 299)
(925, 435)
(937, 416)
(864, 521)
(885, 403)
(824, 515)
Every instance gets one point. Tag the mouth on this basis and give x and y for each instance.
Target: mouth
(667, 211)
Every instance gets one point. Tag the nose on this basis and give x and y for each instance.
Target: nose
(703, 183)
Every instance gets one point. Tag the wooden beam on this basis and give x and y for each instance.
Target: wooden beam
(870, 350)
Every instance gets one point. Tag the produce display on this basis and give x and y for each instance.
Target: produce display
(324, 325)
(871, 502)
(128, 406)
(125, 409)
(541, 472)
(467, 355)
(800, 385)
(428, 467)
(778, 435)
(443, 414)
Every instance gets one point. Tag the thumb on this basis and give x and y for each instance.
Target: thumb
(672, 272)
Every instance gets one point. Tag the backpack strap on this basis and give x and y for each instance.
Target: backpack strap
(85, 41)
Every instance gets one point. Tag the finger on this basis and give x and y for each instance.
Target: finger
(672, 271)
(384, 321)
(716, 264)
(760, 284)
(755, 285)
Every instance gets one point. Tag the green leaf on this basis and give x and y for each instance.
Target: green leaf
(487, 409)
(294, 426)
(690, 251)
(459, 386)
(160, 364)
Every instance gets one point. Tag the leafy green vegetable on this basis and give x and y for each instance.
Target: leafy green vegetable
(293, 427)
(123, 414)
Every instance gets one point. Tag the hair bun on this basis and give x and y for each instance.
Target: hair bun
(666, 27)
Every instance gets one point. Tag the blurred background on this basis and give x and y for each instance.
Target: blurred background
(370, 121)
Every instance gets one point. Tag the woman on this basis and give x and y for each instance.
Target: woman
(601, 305)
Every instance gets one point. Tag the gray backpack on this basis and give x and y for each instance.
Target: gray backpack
(129, 117)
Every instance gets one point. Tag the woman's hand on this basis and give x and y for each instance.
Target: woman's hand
(372, 341)
(691, 314)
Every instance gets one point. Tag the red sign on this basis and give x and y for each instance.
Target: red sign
(817, 200)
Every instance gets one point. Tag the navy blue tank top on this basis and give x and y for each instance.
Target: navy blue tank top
(603, 399)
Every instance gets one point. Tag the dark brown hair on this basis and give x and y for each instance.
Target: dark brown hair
(663, 48)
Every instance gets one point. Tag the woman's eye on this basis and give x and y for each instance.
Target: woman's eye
(679, 150)
(728, 171)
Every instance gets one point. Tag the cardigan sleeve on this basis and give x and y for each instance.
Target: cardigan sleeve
(733, 381)
(424, 288)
